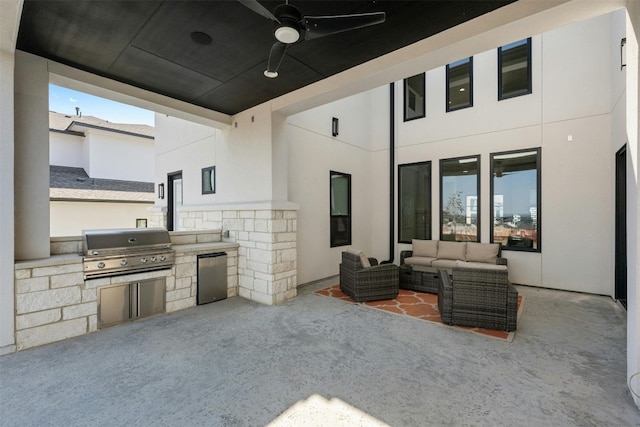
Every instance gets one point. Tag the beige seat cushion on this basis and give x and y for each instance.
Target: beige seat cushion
(481, 266)
(452, 250)
(482, 252)
(425, 248)
(444, 263)
(419, 261)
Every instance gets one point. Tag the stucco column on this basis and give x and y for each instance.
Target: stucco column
(7, 341)
(633, 196)
(31, 157)
(9, 20)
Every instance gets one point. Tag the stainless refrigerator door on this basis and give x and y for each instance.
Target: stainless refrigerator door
(212, 277)
(114, 304)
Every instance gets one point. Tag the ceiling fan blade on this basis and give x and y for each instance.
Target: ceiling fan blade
(275, 59)
(259, 9)
(320, 26)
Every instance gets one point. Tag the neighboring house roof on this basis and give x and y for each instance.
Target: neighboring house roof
(67, 183)
(75, 124)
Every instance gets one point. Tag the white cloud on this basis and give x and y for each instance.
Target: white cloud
(73, 100)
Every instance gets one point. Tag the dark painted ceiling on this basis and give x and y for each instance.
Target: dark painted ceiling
(148, 43)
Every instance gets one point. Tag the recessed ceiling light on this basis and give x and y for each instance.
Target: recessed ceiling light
(201, 38)
(462, 89)
(271, 74)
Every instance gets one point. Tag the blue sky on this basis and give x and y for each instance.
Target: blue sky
(65, 101)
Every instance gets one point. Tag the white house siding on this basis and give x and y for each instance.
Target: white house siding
(112, 155)
(66, 150)
(70, 218)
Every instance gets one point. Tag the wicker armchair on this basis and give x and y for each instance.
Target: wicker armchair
(478, 297)
(377, 282)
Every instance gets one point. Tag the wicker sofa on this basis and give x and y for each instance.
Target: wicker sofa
(477, 297)
(364, 280)
(419, 266)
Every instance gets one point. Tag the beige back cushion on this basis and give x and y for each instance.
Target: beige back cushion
(482, 252)
(452, 250)
(428, 248)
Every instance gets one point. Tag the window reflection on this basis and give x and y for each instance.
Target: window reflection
(459, 189)
(515, 194)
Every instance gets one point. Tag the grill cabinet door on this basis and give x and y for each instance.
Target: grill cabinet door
(150, 298)
(114, 305)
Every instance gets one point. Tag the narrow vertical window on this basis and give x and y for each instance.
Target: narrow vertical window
(340, 202)
(459, 201)
(209, 180)
(414, 202)
(515, 191)
(514, 69)
(460, 84)
(414, 93)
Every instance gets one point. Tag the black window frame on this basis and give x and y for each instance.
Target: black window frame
(406, 98)
(448, 85)
(334, 219)
(428, 203)
(478, 196)
(529, 90)
(211, 174)
(538, 150)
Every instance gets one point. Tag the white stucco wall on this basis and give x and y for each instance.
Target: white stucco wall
(313, 153)
(577, 176)
(70, 218)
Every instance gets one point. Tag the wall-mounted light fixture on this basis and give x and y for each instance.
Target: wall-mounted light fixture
(160, 191)
(334, 126)
(623, 53)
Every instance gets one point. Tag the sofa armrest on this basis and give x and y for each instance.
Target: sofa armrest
(501, 261)
(445, 296)
(404, 255)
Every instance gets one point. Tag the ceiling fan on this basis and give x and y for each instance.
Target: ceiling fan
(290, 27)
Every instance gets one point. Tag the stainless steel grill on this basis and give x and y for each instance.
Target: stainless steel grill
(123, 251)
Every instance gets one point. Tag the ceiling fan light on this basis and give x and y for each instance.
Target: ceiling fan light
(271, 74)
(287, 35)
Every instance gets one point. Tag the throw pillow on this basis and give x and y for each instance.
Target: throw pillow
(426, 248)
(364, 260)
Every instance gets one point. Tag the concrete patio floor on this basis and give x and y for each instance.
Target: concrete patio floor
(320, 361)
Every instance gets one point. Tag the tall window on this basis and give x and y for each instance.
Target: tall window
(459, 201)
(414, 97)
(515, 191)
(414, 203)
(209, 180)
(340, 203)
(514, 69)
(460, 84)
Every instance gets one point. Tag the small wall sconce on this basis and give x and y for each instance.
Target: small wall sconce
(623, 53)
(334, 126)
(160, 191)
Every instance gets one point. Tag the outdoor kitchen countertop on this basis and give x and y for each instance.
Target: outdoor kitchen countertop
(53, 260)
(197, 247)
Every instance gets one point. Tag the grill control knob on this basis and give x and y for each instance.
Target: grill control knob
(101, 265)
(143, 260)
(162, 258)
(123, 262)
(153, 259)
